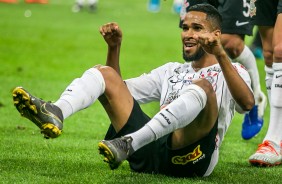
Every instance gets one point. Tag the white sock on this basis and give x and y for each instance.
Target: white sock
(178, 114)
(274, 132)
(248, 59)
(82, 92)
(268, 81)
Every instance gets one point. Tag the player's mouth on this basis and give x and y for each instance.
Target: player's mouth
(188, 45)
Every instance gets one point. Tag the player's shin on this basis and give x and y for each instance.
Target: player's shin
(275, 125)
(177, 114)
(268, 81)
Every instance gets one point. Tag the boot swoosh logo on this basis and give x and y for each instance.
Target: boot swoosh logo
(241, 23)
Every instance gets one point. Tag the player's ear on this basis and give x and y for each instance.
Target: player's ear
(217, 32)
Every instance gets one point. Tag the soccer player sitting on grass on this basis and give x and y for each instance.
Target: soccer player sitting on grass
(197, 102)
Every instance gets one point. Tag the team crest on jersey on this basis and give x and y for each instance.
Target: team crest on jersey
(194, 157)
(210, 79)
(253, 9)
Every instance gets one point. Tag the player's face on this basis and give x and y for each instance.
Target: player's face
(194, 23)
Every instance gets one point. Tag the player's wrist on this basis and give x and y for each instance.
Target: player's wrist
(221, 56)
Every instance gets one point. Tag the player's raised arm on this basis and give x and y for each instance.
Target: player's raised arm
(238, 88)
(112, 34)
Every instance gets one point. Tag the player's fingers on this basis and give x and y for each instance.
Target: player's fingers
(106, 28)
(101, 31)
(116, 29)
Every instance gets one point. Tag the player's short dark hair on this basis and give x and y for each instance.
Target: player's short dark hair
(212, 14)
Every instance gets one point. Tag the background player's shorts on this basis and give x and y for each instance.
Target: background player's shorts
(158, 157)
(264, 12)
(235, 16)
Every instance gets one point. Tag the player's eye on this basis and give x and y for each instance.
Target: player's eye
(197, 28)
(185, 28)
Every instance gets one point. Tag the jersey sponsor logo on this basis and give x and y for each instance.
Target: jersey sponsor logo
(241, 23)
(190, 157)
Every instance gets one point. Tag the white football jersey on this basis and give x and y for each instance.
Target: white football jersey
(167, 82)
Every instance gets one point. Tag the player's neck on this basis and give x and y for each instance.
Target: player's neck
(205, 61)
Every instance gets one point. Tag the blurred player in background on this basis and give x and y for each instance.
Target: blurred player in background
(155, 6)
(267, 15)
(235, 25)
(81, 4)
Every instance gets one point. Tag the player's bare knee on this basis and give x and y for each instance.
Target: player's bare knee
(233, 45)
(111, 78)
(108, 72)
(268, 57)
(232, 50)
(206, 86)
(98, 66)
(277, 53)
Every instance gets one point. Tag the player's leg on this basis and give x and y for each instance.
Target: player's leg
(273, 136)
(92, 5)
(116, 100)
(78, 6)
(256, 45)
(202, 123)
(190, 123)
(269, 152)
(81, 93)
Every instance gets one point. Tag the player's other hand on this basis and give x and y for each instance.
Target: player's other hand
(111, 33)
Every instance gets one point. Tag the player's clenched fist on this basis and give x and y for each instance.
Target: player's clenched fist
(112, 34)
(210, 42)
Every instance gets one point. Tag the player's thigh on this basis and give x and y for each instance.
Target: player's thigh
(264, 12)
(277, 38)
(266, 33)
(233, 44)
(202, 124)
(117, 100)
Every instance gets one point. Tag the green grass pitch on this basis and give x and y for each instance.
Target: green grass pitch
(44, 47)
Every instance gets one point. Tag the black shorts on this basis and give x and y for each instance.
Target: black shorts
(235, 15)
(264, 12)
(158, 157)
